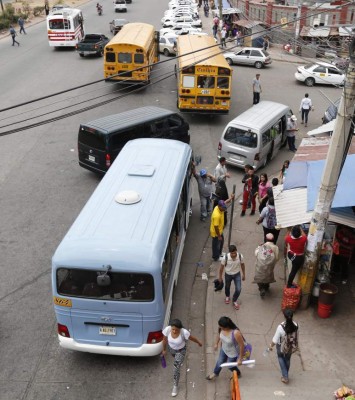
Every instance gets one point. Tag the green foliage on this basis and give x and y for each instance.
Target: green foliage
(38, 11)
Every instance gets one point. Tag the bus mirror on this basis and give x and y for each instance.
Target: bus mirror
(197, 160)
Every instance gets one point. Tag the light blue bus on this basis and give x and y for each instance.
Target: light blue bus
(114, 272)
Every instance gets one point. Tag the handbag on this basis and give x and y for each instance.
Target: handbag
(248, 348)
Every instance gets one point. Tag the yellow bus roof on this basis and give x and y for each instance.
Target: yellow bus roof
(210, 56)
(135, 33)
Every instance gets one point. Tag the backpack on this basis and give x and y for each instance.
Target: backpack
(271, 218)
(289, 342)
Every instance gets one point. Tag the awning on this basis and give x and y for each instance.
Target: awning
(319, 32)
(323, 129)
(296, 200)
(346, 30)
(245, 23)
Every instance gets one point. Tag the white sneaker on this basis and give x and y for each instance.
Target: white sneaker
(174, 392)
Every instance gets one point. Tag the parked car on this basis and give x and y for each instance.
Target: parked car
(93, 43)
(172, 17)
(167, 44)
(331, 112)
(248, 56)
(178, 30)
(320, 72)
(117, 24)
(120, 6)
(197, 23)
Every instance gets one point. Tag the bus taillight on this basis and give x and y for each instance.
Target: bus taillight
(185, 90)
(63, 331)
(155, 337)
(108, 160)
(219, 146)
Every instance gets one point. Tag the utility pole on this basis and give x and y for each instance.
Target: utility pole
(337, 152)
(298, 22)
(220, 11)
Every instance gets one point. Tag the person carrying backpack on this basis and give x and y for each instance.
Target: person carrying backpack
(267, 255)
(268, 219)
(286, 341)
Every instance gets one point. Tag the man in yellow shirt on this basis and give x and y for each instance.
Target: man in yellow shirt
(217, 226)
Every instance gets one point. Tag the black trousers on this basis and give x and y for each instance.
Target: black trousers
(297, 262)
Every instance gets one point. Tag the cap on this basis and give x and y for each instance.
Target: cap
(269, 236)
(222, 204)
(203, 172)
(294, 118)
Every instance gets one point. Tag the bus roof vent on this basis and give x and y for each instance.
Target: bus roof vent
(128, 197)
(141, 170)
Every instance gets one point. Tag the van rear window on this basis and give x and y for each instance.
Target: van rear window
(241, 137)
(94, 140)
(121, 286)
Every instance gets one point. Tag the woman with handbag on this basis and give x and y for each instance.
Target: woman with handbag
(231, 348)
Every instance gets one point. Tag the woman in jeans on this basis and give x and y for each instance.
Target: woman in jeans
(231, 349)
(282, 330)
(175, 337)
(295, 243)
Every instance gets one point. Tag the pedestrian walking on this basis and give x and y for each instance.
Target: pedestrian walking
(232, 346)
(221, 170)
(305, 107)
(250, 191)
(267, 255)
(217, 227)
(175, 340)
(264, 185)
(268, 220)
(295, 245)
(270, 193)
(21, 23)
(256, 89)
(232, 264)
(284, 169)
(205, 189)
(223, 37)
(46, 7)
(13, 35)
(221, 193)
(286, 341)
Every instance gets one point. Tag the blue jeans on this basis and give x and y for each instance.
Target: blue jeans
(217, 247)
(284, 361)
(236, 278)
(222, 358)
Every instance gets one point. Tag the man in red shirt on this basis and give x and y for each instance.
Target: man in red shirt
(295, 243)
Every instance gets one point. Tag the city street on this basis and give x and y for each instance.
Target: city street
(42, 190)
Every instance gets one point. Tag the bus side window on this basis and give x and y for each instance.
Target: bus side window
(266, 137)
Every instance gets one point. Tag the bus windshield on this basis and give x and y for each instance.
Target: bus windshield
(122, 286)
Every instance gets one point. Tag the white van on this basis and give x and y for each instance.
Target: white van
(255, 136)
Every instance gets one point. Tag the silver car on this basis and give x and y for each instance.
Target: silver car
(167, 45)
(248, 56)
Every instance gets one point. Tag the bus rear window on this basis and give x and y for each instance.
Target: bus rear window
(110, 57)
(122, 286)
(240, 137)
(139, 58)
(59, 24)
(125, 58)
(94, 140)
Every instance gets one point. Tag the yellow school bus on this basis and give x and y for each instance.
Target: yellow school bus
(204, 76)
(130, 54)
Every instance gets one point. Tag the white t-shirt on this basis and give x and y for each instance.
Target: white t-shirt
(280, 333)
(179, 342)
(233, 266)
(306, 104)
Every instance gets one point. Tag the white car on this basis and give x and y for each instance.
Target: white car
(171, 17)
(120, 5)
(180, 28)
(179, 7)
(195, 23)
(167, 44)
(320, 72)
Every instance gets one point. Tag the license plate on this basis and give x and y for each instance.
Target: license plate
(91, 158)
(223, 103)
(107, 330)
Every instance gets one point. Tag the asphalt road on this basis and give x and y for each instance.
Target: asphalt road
(42, 190)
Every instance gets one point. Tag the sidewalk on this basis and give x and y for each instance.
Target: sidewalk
(325, 361)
